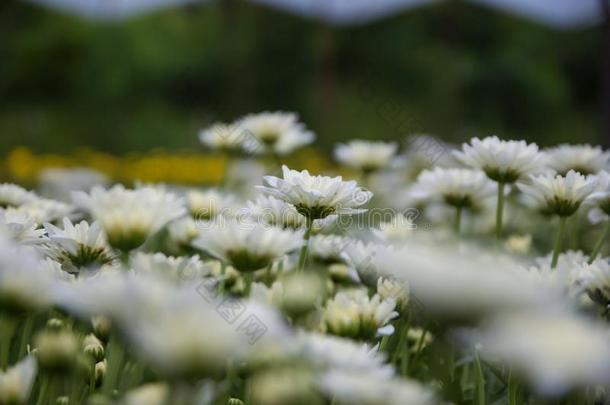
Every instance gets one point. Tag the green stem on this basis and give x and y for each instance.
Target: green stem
(480, 381)
(45, 383)
(500, 210)
(26, 334)
(513, 389)
(458, 219)
(600, 242)
(8, 326)
(558, 241)
(306, 237)
(116, 358)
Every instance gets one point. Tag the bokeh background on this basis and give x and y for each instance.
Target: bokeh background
(100, 90)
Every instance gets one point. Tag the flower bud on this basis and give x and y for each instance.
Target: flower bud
(63, 400)
(100, 372)
(301, 292)
(93, 347)
(57, 351)
(235, 401)
(55, 324)
(101, 327)
(284, 386)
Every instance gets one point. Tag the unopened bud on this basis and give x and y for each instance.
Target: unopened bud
(93, 347)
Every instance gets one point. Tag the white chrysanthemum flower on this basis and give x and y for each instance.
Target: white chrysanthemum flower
(328, 248)
(21, 227)
(584, 159)
(463, 282)
(366, 156)
(12, 195)
(147, 394)
(360, 256)
(394, 289)
(276, 132)
(424, 151)
(209, 203)
(556, 351)
(80, 245)
(560, 195)
(332, 352)
(60, 182)
(600, 199)
(353, 314)
(247, 246)
(364, 388)
(397, 230)
(316, 197)
(276, 212)
(47, 210)
(461, 188)
(227, 137)
(130, 217)
(183, 267)
(594, 279)
(16, 383)
(183, 231)
(502, 161)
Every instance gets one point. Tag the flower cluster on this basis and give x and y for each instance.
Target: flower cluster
(280, 286)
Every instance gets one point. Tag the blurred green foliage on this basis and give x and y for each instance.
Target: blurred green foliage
(451, 69)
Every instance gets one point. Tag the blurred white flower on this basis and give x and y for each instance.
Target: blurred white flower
(182, 268)
(21, 227)
(80, 245)
(275, 212)
(353, 314)
(462, 188)
(520, 244)
(366, 156)
(360, 256)
(332, 352)
(16, 383)
(316, 197)
(558, 194)
(12, 195)
(328, 248)
(397, 230)
(48, 210)
(556, 351)
(502, 161)
(147, 394)
(275, 132)
(247, 245)
(600, 199)
(227, 137)
(183, 231)
(209, 203)
(584, 159)
(59, 182)
(130, 217)
(594, 279)
(364, 388)
(394, 289)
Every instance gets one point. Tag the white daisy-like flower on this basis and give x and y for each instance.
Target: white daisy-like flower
(276, 212)
(364, 388)
(333, 352)
(209, 203)
(80, 245)
(594, 279)
(584, 159)
(246, 245)
(360, 256)
(558, 194)
(461, 188)
(227, 137)
(12, 195)
(276, 132)
(48, 210)
(502, 161)
(328, 248)
(398, 229)
(60, 182)
(130, 217)
(316, 197)
(21, 227)
(183, 231)
(366, 156)
(395, 289)
(353, 314)
(184, 268)
(148, 394)
(16, 383)
(600, 199)
(559, 352)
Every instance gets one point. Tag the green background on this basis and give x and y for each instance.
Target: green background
(452, 69)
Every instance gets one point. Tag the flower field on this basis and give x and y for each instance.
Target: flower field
(408, 274)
